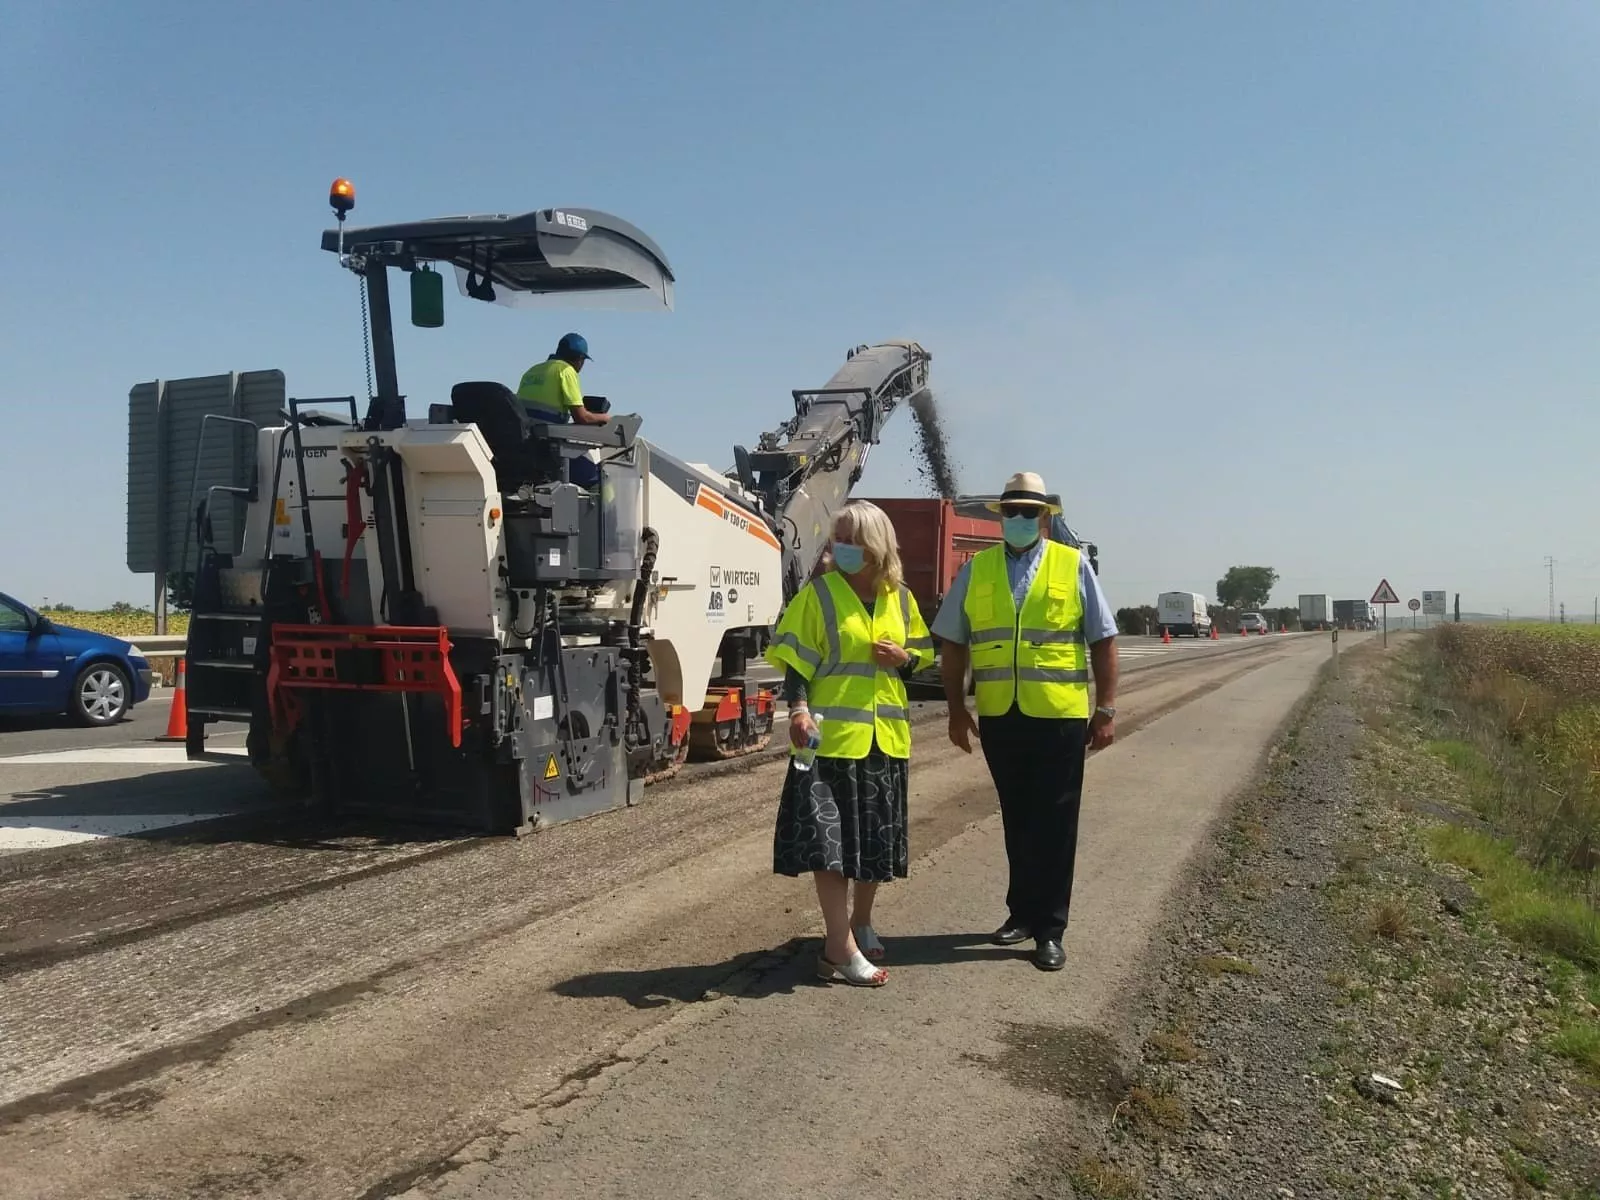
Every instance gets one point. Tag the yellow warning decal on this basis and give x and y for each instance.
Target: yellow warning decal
(551, 771)
(280, 515)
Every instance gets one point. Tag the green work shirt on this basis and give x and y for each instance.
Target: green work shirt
(551, 387)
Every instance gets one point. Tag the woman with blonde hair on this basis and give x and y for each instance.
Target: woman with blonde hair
(847, 643)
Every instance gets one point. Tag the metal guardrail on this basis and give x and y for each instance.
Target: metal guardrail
(161, 646)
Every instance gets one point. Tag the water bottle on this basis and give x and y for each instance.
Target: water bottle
(805, 756)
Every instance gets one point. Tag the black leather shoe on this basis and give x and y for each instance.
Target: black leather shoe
(1049, 956)
(1010, 934)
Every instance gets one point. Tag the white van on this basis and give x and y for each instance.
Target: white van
(1183, 612)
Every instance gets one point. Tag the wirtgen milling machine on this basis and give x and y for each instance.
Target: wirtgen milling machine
(429, 620)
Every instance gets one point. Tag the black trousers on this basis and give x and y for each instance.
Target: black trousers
(1037, 767)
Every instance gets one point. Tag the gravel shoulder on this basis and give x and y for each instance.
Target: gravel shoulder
(1332, 1014)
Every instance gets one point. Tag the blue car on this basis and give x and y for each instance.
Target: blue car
(48, 668)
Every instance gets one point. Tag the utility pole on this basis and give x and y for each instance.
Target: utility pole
(1550, 565)
(1563, 612)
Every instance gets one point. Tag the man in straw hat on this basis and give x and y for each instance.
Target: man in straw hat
(1030, 618)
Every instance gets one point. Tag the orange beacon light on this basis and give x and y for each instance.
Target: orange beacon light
(342, 197)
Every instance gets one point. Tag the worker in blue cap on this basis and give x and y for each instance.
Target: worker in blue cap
(549, 390)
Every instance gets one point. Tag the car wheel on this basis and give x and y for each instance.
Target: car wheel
(100, 695)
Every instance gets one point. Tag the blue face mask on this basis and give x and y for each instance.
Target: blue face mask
(848, 558)
(1020, 532)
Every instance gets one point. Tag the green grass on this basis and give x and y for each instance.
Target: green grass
(1095, 1178)
(1223, 964)
(1462, 757)
(1526, 1170)
(1580, 1042)
(1538, 908)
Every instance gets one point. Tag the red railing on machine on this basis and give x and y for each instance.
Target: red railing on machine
(362, 658)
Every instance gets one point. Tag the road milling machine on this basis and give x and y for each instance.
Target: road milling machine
(430, 620)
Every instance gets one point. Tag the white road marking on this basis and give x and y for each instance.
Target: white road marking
(42, 833)
(117, 756)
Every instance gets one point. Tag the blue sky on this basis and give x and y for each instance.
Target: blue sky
(1311, 285)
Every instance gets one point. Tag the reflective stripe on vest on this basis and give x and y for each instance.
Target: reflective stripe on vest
(1036, 658)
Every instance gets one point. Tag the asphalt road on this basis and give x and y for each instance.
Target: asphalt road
(61, 785)
(314, 1012)
(38, 735)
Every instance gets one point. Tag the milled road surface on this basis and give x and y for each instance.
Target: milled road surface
(272, 1016)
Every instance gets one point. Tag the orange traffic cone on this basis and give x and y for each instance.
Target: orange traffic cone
(1166, 636)
(1243, 632)
(1214, 635)
(178, 719)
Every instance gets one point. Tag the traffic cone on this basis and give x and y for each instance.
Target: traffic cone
(1166, 636)
(1243, 632)
(178, 718)
(1214, 635)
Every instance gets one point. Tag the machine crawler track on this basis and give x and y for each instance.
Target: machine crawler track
(721, 730)
(668, 769)
(717, 743)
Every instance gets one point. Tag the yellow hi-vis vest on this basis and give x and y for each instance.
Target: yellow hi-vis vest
(826, 635)
(552, 387)
(1037, 657)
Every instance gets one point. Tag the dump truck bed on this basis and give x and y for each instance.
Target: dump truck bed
(934, 543)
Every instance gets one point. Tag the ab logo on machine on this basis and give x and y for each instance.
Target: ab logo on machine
(716, 613)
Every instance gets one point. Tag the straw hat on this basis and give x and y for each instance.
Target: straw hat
(1025, 488)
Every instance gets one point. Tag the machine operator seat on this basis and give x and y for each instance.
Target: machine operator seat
(496, 411)
(505, 425)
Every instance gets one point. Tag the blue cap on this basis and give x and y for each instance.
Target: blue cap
(572, 345)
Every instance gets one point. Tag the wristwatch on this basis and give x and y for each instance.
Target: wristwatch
(1109, 711)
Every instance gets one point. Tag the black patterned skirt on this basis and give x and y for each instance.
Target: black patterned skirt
(846, 815)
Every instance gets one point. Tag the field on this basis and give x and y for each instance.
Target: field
(1523, 705)
(131, 624)
(1529, 697)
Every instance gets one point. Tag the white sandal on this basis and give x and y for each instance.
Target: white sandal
(857, 972)
(869, 943)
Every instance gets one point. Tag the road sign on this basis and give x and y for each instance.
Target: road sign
(1385, 594)
(1433, 604)
(186, 436)
(1413, 604)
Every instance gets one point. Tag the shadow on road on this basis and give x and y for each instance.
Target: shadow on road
(795, 967)
(224, 801)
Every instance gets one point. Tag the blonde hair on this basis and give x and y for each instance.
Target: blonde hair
(866, 525)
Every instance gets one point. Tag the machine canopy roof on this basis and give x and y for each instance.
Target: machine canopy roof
(554, 253)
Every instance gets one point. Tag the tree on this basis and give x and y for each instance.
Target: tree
(1246, 587)
(1141, 619)
(180, 590)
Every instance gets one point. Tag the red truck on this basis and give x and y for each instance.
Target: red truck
(936, 537)
(935, 540)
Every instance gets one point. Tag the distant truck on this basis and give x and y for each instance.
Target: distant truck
(1183, 613)
(1316, 612)
(1352, 614)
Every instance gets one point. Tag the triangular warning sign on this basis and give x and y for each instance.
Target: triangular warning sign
(1385, 594)
(551, 771)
